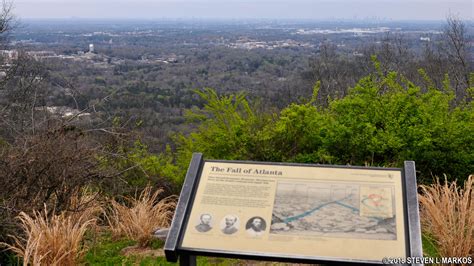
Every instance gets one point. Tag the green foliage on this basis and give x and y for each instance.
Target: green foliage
(149, 165)
(429, 246)
(137, 168)
(402, 123)
(157, 243)
(9, 258)
(107, 251)
(384, 120)
(299, 129)
(227, 128)
(226, 125)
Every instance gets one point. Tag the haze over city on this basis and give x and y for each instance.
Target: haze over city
(244, 9)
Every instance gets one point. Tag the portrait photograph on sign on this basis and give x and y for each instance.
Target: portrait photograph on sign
(328, 213)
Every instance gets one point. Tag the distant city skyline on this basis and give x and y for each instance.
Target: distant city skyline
(245, 9)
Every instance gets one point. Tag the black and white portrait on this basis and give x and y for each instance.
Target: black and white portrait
(230, 224)
(204, 225)
(255, 226)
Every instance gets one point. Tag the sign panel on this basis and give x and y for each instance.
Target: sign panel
(316, 213)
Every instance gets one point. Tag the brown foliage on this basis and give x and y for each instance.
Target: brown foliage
(51, 167)
(447, 213)
(48, 168)
(144, 215)
(51, 239)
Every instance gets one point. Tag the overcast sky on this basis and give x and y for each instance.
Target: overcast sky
(285, 9)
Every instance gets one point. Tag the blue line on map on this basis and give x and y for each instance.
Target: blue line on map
(347, 206)
(307, 213)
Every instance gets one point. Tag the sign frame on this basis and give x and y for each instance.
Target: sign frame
(187, 256)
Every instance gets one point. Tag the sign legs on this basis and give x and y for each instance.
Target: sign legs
(187, 260)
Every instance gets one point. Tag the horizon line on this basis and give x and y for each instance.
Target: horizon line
(375, 19)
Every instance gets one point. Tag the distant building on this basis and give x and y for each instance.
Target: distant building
(91, 48)
(357, 54)
(9, 55)
(38, 55)
(425, 39)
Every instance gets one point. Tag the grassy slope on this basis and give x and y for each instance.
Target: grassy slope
(107, 251)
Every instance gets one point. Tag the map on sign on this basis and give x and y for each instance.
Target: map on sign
(334, 210)
(376, 202)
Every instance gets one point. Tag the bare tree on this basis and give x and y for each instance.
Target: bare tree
(7, 21)
(335, 72)
(456, 48)
(23, 91)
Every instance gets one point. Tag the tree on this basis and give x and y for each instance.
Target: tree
(7, 21)
(383, 121)
(457, 47)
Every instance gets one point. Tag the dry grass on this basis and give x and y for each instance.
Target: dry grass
(85, 205)
(51, 239)
(144, 215)
(447, 214)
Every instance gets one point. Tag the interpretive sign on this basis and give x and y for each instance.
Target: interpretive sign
(296, 212)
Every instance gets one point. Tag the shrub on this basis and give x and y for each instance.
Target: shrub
(447, 215)
(51, 239)
(383, 121)
(137, 168)
(386, 120)
(85, 205)
(143, 215)
(47, 168)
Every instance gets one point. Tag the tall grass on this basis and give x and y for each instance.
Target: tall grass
(85, 205)
(51, 239)
(142, 216)
(447, 215)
